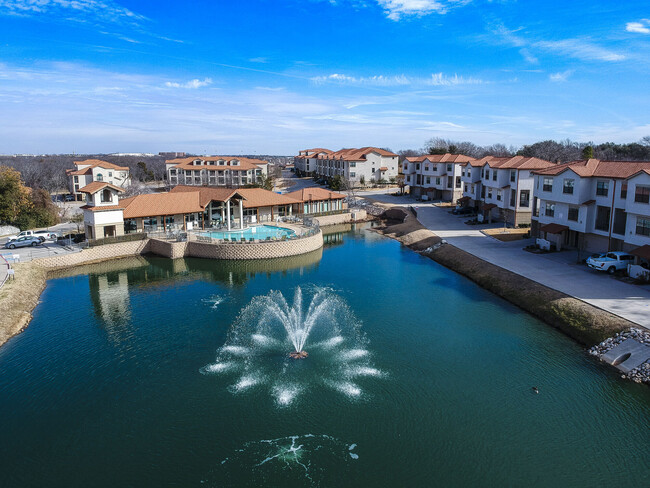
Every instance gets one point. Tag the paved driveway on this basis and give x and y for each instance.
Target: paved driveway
(555, 270)
(45, 250)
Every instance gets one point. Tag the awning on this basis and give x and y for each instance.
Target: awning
(588, 202)
(463, 199)
(383, 168)
(642, 252)
(553, 228)
(488, 206)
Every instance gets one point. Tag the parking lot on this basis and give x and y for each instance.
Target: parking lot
(26, 254)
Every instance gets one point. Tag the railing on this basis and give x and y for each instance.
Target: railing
(329, 212)
(6, 275)
(138, 236)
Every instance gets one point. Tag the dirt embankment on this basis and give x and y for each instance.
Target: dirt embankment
(579, 320)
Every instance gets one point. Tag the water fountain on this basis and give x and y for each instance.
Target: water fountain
(270, 334)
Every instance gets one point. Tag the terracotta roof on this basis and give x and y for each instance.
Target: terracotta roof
(253, 197)
(100, 208)
(313, 152)
(553, 228)
(595, 168)
(155, 204)
(314, 194)
(85, 171)
(95, 186)
(642, 252)
(441, 158)
(516, 162)
(244, 163)
(353, 154)
(101, 164)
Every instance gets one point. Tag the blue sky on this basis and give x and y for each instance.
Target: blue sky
(272, 77)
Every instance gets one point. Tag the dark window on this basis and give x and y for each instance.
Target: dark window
(417, 167)
(642, 194)
(620, 217)
(524, 198)
(643, 226)
(100, 177)
(482, 192)
(535, 207)
(499, 195)
(450, 181)
(550, 210)
(76, 179)
(602, 218)
(548, 184)
(490, 193)
(428, 180)
(513, 197)
(602, 188)
(487, 174)
(513, 175)
(573, 214)
(494, 174)
(106, 196)
(457, 181)
(623, 191)
(450, 168)
(568, 186)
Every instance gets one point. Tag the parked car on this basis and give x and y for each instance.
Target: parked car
(610, 262)
(25, 233)
(23, 241)
(47, 234)
(462, 211)
(69, 198)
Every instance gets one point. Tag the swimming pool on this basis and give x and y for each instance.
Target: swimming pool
(258, 233)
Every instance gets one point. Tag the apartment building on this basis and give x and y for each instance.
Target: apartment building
(358, 166)
(305, 162)
(90, 170)
(593, 205)
(229, 172)
(435, 176)
(501, 188)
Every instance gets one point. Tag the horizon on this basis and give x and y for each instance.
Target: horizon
(271, 78)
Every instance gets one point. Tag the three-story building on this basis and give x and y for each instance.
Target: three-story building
(359, 166)
(435, 176)
(228, 172)
(90, 170)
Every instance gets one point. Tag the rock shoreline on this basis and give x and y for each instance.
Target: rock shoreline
(641, 374)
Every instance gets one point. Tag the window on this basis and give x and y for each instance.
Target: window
(513, 175)
(106, 195)
(524, 198)
(513, 197)
(417, 167)
(458, 183)
(548, 184)
(494, 175)
(450, 168)
(428, 180)
(352, 175)
(620, 219)
(623, 191)
(482, 173)
(450, 181)
(550, 210)
(642, 194)
(567, 188)
(462, 172)
(643, 226)
(499, 195)
(110, 174)
(426, 167)
(434, 167)
(602, 218)
(573, 214)
(487, 174)
(437, 181)
(602, 188)
(489, 192)
(100, 177)
(76, 179)
(354, 165)
(482, 192)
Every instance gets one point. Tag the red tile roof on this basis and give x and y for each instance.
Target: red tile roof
(95, 186)
(101, 164)
(441, 158)
(100, 208)
(595, 168)
(244, 163)
(253, 197)
(516, 162)
(353, 154)
(154, 204)
(314, 194)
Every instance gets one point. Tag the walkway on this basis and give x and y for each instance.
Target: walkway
(555, 270)
(4, 267)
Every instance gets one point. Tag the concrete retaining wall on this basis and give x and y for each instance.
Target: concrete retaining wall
(172, 250)
(96, 254)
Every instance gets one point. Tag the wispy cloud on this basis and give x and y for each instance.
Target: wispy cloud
(579, 48)
(192, 84)
(560, 77)
(104, 10)
(641, 27)
(260, 59)
(396, 9)
(436, 79)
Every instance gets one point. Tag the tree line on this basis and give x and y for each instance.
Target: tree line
(549, 150)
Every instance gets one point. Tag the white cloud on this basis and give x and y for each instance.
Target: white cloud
(560, 77)
(641, 27)
(395, 9)
(260, 59)
(105, 10)
(192, 84)
(580, 49)
(436, 79)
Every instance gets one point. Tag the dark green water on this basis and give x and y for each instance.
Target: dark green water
(104, 388)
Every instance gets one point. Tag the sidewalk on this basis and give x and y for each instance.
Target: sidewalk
(556, 270)
(4, 267)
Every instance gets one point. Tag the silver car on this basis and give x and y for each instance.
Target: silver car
(24, 241)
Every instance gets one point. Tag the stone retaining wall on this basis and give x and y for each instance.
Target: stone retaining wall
(96, 254)
(172, 250)
(256, 250)
(344, 218)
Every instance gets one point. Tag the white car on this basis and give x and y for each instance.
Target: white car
(610, 262)
(25, 233)
(47, 234)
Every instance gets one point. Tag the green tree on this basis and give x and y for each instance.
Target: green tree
(588, 152)
(14, 196)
